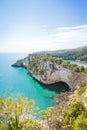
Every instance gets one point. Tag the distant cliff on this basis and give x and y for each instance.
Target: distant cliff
(50, 70)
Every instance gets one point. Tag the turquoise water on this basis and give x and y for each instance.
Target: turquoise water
(17, 82)
(78, 63)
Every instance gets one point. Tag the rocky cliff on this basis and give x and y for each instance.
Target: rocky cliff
(49, 70)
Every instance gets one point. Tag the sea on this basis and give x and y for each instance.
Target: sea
(18, 83)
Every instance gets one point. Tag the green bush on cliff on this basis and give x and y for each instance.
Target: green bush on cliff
(36, 64)
(71, 54)
(72, 116)
(82, 88)
(80, 123)
(17, 114)
(66, 119)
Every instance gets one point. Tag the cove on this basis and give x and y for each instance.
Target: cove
(18, 82)
(78, 63)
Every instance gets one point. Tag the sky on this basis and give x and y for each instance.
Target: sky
(37, 25)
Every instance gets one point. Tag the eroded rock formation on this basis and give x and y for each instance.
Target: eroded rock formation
(48, 72)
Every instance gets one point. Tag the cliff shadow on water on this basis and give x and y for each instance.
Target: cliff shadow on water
(57, 87)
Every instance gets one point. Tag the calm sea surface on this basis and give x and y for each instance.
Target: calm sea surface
(17, 82)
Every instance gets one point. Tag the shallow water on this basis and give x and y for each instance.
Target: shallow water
(78, 63)
(17, 82)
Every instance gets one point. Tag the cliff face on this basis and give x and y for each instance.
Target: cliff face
(49, 70)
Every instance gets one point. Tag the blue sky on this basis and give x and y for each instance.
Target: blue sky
(35, 25)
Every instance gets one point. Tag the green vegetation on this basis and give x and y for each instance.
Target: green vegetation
(38, 63)
(66, 118)
(17, 114)
(80, 123)
(82, 89)
(72, 54)
(71, 117)
(74, 67)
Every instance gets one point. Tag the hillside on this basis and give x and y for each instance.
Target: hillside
(69, 54)
(50, 70)
(19, 114)
(71, 110)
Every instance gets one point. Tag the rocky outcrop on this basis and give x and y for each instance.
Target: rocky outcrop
(21, 63)
(50, 72)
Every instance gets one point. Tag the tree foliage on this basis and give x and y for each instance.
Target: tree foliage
(17, 114)
(66, 118)
(38, 64)
(71, 54)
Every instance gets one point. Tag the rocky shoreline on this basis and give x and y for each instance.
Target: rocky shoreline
(50, 74)
(47, 72)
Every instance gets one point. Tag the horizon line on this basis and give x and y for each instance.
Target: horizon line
(41, 50)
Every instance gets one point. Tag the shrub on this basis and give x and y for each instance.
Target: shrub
(80, 123)
(82, 89)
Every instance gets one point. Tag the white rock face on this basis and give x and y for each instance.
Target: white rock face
(53, 73)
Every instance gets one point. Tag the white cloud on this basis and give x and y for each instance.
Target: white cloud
(71, 37)
(59, 38)
(64, 38)
(80, 27)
